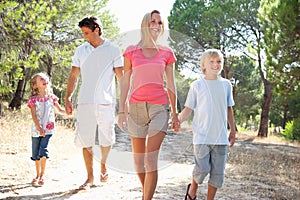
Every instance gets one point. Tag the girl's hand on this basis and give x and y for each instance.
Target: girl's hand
(42, 132)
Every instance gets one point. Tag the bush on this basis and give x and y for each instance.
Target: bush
(292, 130)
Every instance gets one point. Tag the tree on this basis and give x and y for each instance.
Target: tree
(231, 26)
(41, 36)
(281, 28)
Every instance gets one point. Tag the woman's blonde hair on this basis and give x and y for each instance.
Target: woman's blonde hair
(146, 37)
(35, 91)
(208, 54)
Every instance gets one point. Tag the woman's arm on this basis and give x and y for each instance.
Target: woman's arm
(171, 90)
(124, 85)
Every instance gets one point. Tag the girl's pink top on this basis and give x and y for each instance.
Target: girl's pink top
(148, 74)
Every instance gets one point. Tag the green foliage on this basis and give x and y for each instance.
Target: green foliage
(292, 130)
(42, 35)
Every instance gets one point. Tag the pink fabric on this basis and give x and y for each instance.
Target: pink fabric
(32, 100)
(148, 75)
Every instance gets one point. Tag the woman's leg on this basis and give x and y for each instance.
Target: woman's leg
(154, 142)
(138, 149)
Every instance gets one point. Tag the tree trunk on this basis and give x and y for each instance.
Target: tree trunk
(264, 118)
(16, 102)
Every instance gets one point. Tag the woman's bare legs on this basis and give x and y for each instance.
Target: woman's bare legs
(146, 153)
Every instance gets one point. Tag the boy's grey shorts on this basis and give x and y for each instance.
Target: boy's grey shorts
(210, 159)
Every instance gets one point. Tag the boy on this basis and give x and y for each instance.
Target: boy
(211, 100)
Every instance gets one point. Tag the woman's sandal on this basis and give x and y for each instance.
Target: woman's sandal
(187, 195)
(104, 177)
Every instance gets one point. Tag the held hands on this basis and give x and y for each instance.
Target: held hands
(122, 121)
(175, 123)
(69, 107)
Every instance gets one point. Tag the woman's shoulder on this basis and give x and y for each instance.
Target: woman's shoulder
(165, 48)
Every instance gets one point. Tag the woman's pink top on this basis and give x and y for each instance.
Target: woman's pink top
(148, 74)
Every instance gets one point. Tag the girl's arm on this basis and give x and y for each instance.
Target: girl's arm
(124, 84)
(59, 109)
(185, 113)
(36, 121)
(171, 90)
(232, 126)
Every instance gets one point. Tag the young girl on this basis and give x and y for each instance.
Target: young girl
(42, 104)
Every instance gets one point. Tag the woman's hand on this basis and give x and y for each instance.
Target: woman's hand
(122, 121)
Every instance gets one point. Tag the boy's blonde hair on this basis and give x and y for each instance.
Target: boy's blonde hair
(208, 54)
(34, 91)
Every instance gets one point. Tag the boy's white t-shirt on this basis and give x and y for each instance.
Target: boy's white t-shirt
(97, 74)
(209, 99)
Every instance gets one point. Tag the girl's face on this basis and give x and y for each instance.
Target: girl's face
(155, 25)
(213, 65)
(41, 83)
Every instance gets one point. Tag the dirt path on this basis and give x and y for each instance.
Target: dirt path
(256, 169)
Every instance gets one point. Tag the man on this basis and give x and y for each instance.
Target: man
(97, 61)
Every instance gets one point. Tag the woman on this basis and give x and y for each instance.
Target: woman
(147, 63)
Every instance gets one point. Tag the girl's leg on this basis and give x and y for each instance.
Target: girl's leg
(151, 162)
(38, 168)
(42, 167)
(138, 149)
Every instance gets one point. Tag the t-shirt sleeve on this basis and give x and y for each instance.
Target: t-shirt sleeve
(118, 59)
(190, 101)
(75, 59)
(171, 57)
(31, 102)
(54, 98)
(230, 100)
(129, 52)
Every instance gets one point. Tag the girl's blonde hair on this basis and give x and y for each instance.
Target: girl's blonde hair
(146, 37)
(208, 54)
(35, 91)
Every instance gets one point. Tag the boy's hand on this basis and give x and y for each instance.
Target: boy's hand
(231, 138)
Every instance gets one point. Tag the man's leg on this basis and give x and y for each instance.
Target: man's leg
(88, 160)
(104, 152)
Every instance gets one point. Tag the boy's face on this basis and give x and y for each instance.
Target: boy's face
(213, 65)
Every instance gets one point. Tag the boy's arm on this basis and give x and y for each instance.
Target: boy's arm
(185, 113)
(232, 126)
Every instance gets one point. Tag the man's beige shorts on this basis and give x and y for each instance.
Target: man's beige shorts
(144, 117)
(95, 125)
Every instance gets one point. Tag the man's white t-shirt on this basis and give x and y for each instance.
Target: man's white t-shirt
(209, 99)
(97, 74)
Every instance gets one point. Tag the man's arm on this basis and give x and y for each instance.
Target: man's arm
(72, 81)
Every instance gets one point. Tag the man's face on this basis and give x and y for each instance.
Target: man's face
(88, 34)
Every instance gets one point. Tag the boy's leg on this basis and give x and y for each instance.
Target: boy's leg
(193, 190)
(211, 192)
(104, 155)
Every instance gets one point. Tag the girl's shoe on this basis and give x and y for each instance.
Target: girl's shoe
(34, 181)
(41, 182)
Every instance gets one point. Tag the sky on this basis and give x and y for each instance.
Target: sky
(131, 12)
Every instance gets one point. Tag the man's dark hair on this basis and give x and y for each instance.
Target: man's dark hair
(91, 23)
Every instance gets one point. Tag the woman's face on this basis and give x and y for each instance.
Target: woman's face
(155, 25)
